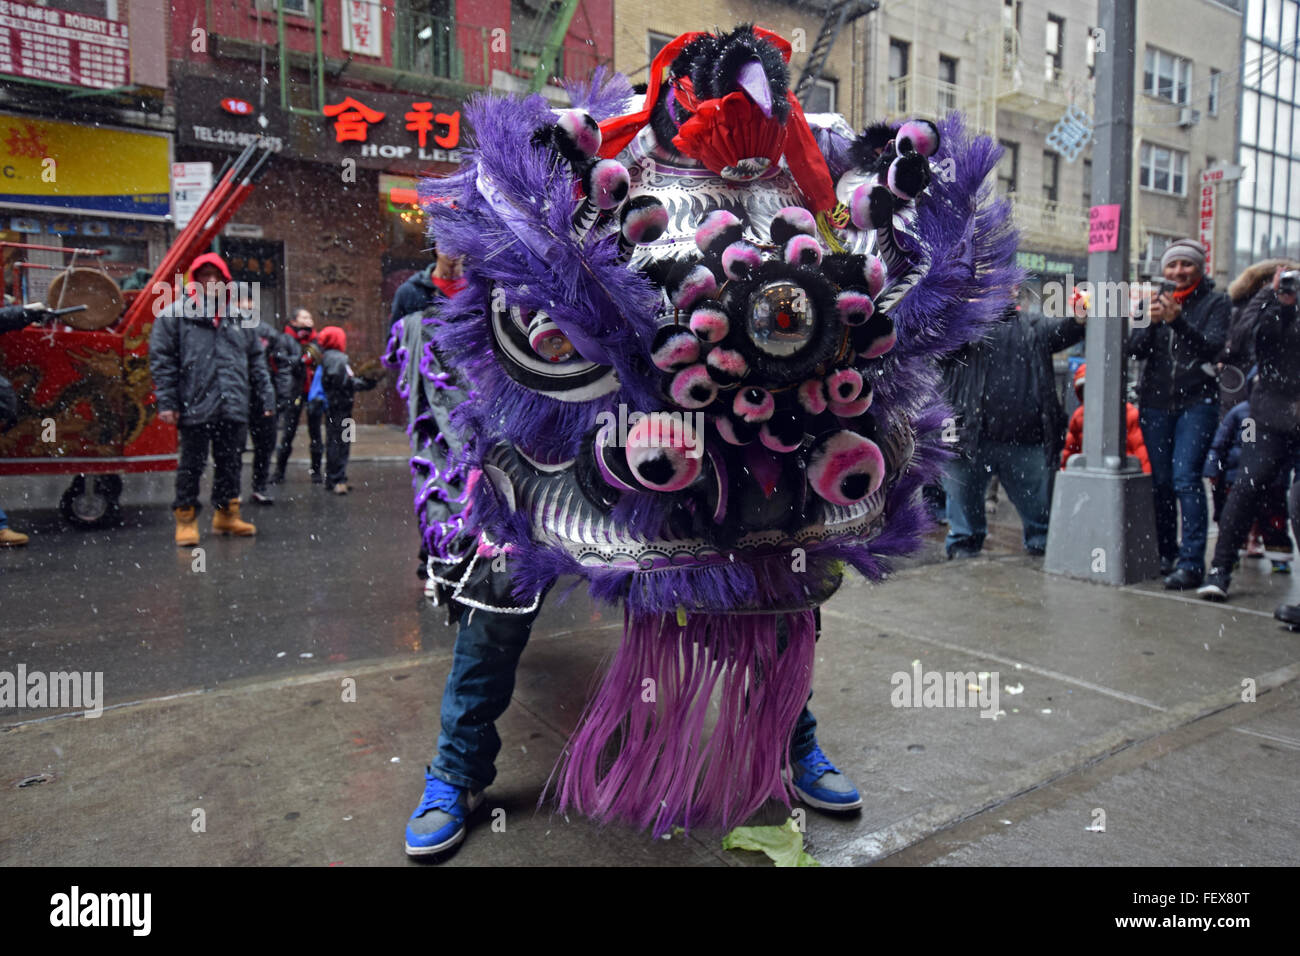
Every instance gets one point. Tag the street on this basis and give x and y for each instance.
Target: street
(228, 738)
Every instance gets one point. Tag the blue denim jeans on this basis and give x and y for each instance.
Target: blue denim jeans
(4, 520)
(478, 691)
(1177, 440)
(1023, 471)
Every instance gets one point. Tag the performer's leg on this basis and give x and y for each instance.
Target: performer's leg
(817, 781)
(478, 690)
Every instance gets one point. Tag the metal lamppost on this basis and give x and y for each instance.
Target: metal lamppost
(1103, 517)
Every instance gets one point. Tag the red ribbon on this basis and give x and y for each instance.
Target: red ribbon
(805, 160)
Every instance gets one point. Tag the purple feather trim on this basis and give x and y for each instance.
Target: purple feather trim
(666, 773)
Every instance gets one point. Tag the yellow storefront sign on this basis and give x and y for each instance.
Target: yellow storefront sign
(46, 164)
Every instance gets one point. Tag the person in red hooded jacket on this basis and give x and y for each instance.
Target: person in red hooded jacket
(340, 386)
(207, 361)
(1074, 436)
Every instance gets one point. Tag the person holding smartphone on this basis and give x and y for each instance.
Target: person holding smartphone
(1178, 402)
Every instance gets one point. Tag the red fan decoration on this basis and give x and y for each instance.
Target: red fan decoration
(732, 137)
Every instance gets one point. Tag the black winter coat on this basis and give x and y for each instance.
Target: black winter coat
(1275, 401)
(1174, 352)
(1016, 339)
(207, 369)
(283, 358)
(339, 383)
(415, 294)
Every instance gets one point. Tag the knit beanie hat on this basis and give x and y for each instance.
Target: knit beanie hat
(1188, 249)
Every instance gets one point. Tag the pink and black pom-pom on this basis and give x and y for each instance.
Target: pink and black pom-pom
(685, 289)
(606, 183)
(811, 396)
(908, 175)
(844, 467)
(919, 136)
(790, 222)
(658, 455)
(693, 387)
(753, 405)
(734, 431)
(719, 229)
(726, 366)
(783, 432)
(709, 324)
(674, 348)
(642, 220)
(876, 337)
(854, 308)
(844, 385)
(740, 259)
(803, 250)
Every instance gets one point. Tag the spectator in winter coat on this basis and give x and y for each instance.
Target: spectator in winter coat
(1223, 465)
(206, 368)
(1009, 423)
(1275, 411)
(1178, 402)
(283, 358)
(340, 385)
(441, 278)
(303, 332)
(1250, 292)
(13, 318)
(1136, 448)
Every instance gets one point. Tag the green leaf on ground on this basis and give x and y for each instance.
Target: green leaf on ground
(783, 844)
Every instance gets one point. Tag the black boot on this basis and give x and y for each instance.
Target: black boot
(1183, 579)
(1289, 614)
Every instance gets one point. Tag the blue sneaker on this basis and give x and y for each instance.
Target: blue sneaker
(819, 784)
(438, 823)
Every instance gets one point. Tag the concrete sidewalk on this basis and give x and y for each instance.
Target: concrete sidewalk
(1129, 701)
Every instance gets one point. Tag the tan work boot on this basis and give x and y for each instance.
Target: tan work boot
(187, 527)
(9, 538)
(226, 520)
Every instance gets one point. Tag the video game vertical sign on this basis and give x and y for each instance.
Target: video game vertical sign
(1206, 217)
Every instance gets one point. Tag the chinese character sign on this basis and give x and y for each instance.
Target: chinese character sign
(351, 119)
(59, 46)
(362, 27)
(1071, 134)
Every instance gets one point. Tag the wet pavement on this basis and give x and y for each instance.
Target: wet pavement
(225, 695)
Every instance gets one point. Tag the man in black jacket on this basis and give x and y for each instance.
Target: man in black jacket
(205, 368)
(1275, 421)
(302, 332)
(1178, 403)
(283, 357)
(1008, 423)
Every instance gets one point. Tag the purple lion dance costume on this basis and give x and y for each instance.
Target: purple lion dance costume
(699, 341)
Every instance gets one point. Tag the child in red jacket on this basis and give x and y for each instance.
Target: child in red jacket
(1074, 437)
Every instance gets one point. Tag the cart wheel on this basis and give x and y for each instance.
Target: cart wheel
(93, 507)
